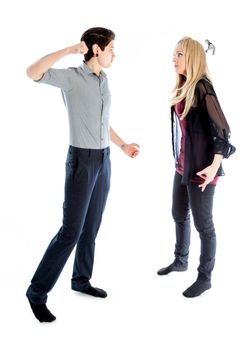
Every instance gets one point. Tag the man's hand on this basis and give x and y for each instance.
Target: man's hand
(132, 149)
(79, 48)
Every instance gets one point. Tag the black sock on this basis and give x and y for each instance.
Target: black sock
(95, 292)
(171, 268)
(197, 288)
(42, 313)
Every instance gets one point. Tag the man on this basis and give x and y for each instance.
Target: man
(87, 98)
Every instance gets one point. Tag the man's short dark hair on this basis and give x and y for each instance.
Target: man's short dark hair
(97, 35)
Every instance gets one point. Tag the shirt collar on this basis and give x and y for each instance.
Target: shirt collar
(88, 71)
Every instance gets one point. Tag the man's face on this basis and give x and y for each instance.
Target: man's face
(107, 56)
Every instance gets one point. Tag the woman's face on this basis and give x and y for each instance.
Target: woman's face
(179, 60)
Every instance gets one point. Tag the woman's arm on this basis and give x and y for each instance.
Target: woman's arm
(208, 174)
(220, 130)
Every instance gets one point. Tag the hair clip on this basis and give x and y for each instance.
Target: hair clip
(210, 46)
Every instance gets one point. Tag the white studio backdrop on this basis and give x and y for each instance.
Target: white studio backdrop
(143, 311)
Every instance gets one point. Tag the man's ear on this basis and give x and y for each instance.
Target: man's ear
(95, 49)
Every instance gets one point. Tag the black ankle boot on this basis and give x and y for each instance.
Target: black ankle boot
(198, 287)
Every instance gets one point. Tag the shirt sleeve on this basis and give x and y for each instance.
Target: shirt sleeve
(220, 129)
(61, 78)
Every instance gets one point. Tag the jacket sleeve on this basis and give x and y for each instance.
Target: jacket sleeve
(219, 127)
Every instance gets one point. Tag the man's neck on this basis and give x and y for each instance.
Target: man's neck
(94, 66)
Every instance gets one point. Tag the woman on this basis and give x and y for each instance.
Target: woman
(200, 135)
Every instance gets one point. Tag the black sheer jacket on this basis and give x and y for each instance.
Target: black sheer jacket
(207, 132)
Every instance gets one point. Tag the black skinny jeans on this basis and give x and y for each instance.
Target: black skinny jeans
(186, 197)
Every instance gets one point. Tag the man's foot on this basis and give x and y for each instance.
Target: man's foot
(171, 268)
(197, 288)
(42, 313)
(95, 292)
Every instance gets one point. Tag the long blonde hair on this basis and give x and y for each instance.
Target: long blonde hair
(196, 68)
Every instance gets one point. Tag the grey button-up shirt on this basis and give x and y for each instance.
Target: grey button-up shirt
(87, 99)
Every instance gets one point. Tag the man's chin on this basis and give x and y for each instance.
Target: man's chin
(107, 65)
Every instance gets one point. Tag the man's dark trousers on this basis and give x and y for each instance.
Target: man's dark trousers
(86, 190)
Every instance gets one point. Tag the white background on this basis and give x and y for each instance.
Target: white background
(143, 310)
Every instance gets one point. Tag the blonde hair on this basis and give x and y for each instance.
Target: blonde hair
(196, 69)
